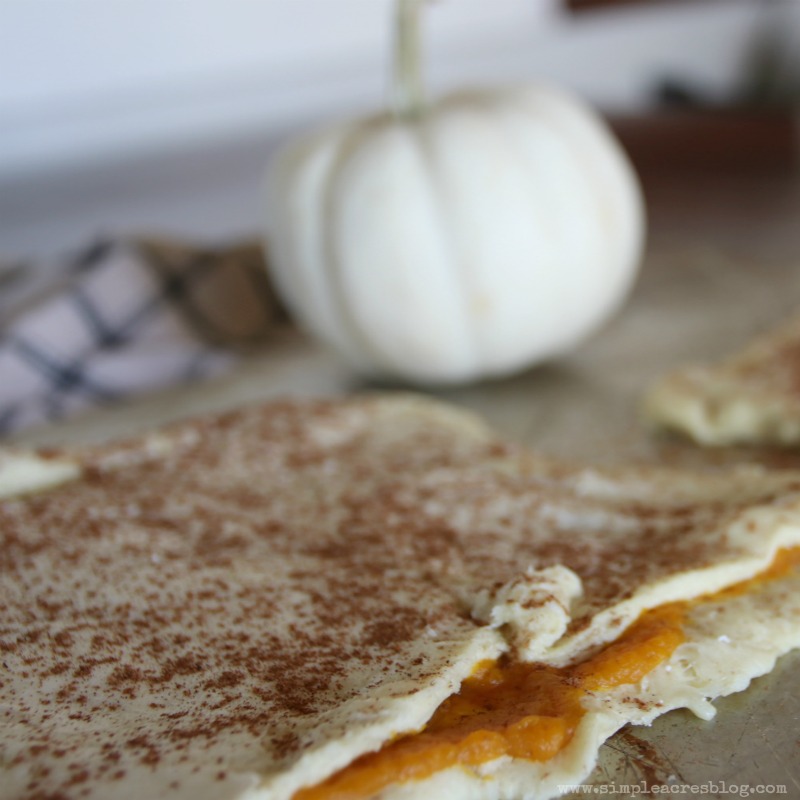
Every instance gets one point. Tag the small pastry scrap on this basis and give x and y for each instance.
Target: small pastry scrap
(751, 397)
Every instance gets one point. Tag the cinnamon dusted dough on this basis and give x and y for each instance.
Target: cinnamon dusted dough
(241, 605)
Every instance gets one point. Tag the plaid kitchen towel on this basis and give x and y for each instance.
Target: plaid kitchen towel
(121, 318)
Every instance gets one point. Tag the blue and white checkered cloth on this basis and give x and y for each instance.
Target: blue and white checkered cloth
(121, 318)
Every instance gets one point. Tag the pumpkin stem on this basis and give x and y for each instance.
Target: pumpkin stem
(409, 89)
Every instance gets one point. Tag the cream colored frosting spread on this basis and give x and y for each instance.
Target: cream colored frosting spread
(241, 605)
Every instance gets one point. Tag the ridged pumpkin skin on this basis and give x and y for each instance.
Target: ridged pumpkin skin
(496, 231)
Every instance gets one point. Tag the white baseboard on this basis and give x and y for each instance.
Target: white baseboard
(138, 136)
(104, 78)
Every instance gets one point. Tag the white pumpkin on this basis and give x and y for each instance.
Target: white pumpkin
(488, 232)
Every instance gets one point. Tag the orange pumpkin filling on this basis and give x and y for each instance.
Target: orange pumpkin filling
(526, 711)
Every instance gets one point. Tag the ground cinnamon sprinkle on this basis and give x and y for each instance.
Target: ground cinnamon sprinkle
(199, 605)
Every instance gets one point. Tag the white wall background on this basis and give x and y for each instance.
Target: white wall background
(158, 113)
